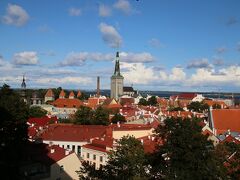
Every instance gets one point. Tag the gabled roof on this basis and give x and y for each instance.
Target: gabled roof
(42, 121)
(149, 143)
(42, 153)
(49, 93)
(130, 127)
(212, 102)
(100, 144)
(69, 132)
(67, 103)
(71, 94)
(111, 103)
(62, 93)
(187, 96)
(230, 138)
(226, 119)
(79, 93)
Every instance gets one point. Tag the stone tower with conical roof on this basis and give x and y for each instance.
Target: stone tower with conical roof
(117, 80)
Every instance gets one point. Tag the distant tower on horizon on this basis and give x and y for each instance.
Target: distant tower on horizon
(23, 90)
(117, 80)
(98, 86)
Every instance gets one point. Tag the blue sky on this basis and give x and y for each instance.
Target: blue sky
(164, 45)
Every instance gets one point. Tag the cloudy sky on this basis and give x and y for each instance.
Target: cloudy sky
(164, 45)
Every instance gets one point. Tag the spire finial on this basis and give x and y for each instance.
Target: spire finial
(23, 85)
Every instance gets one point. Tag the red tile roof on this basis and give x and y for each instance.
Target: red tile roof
(62, 93)
(212, 102)
(69, 132)
(42, 153)
(43, 121)
(71, 94)
(130, 127)
(149, 143)
(58, 154)
(187, 96)
(68, 103)
(100, 144)
(93, 102)
(155, 124)
(230, 138)
(226, 119)
(49, 93)
(79, 93)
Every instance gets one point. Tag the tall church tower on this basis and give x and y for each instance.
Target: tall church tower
(117, 81)
(23, 90)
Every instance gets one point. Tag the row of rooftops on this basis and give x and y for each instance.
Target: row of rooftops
(62, 94)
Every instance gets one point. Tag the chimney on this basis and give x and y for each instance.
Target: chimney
(118, 124)
(141, 141)
(98, 86)
(66, 152)
(229, 132)
(149, 137)
(52, 150)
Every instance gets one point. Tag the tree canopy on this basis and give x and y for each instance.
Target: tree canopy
(37, 111)
(126, 162)
(198, 106)
(13, 133)
(185, 152)
(87, 116)
(118, 118)
(151, 101)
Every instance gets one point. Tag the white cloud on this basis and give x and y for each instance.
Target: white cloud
(123, 5)
(138, 73)
(68, 80)
(199, 63)
(177, 74)
(104, 11)
(25, 58)
(110, 35)
(15, 15)
(136, 57)
(229, 75)
(79, 58)
(74, 12)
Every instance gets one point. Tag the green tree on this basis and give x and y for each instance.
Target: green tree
(198, 106)
(175, 109)
(152, 101)
(126, 162)
(37, 111)
(101, 116)
(13, 131)
(228, 154)
(118, 118)
(185, 152)
(83, 96)
(57, 91)
(84, 115)
(143, 102)
(216, 106)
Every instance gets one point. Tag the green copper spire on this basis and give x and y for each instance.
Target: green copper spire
(117, 66)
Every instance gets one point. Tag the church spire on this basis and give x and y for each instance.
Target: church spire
(117, 66)
(23, 85)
